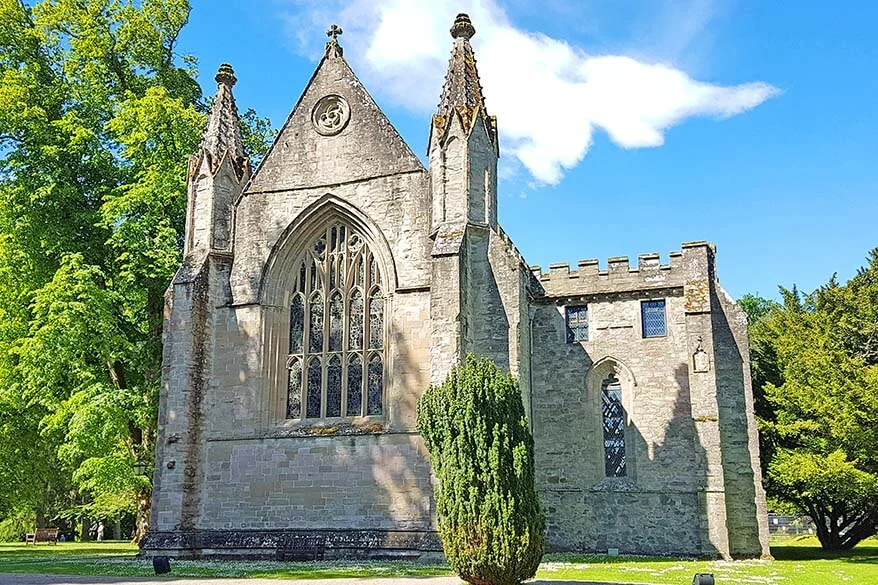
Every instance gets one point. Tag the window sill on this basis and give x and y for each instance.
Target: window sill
(328, 427)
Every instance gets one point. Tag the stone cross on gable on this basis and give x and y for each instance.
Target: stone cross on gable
(334, 31)
(333, 49)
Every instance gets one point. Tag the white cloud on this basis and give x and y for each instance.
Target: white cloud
(549, 96)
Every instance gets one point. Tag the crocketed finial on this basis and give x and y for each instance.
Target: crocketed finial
(223, 133)
(333, 49)
(462, 90)
(226, 75)
(462, 27)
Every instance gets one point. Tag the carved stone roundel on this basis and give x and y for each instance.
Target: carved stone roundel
(330, 115)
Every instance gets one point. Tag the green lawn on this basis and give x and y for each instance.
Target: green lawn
(799, 561)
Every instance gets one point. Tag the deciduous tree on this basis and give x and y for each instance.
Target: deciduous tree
(98, 113)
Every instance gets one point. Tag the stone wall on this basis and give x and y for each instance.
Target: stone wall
(663, 466)
(689, 438)
(372, 481)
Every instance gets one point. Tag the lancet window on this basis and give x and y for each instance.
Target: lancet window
(614, 427)
(336, 360)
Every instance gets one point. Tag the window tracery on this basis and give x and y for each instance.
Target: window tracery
(337, 330)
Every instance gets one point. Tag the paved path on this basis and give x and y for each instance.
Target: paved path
(28, 579)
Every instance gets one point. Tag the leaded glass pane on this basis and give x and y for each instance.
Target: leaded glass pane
(376, 320)
(333, 387)
(315, 379)
(653, 316)
(333, 270)
(361, 270)
(312, 278)
(294, 390)
(320, 248)
(297, 324)
(577, 324)
(342, 236)
(375, 404)
(355, 387)
(315, 334)
(355, 321)
(614, 427)
(336, 316)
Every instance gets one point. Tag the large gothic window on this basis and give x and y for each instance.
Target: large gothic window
(337, 330)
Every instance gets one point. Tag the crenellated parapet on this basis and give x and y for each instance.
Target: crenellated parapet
(693, 263)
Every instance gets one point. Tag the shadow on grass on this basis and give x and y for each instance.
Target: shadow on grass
(860, 554)
(577, 582)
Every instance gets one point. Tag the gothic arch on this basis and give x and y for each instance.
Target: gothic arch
(278, 276)
(604, 366)
(329, 222)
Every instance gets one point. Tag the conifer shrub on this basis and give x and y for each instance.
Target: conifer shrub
(490, 521)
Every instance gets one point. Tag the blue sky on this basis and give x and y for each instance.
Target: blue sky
(626, 127)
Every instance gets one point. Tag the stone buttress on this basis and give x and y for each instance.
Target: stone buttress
(479, 291)
(216, 176)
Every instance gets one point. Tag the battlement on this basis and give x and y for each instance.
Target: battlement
(693, 262)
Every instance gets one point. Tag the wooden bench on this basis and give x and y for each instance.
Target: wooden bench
(304, 550)
(42, 535)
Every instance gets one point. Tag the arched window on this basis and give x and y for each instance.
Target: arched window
(337, 330)
(614, 427)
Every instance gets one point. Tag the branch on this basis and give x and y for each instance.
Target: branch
(11, 138)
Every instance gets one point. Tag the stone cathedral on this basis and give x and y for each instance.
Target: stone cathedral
(321, 293)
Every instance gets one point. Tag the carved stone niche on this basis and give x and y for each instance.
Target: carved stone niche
(700, 359)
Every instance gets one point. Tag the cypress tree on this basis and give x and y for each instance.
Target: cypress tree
(490, 521)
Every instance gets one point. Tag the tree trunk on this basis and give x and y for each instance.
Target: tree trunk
(117, 529)
(141, 523)
(836, 534)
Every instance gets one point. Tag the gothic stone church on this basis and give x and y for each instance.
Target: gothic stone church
(324, 291)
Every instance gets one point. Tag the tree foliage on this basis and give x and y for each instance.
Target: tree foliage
(98, 113)
(489, 516)
(821, 389)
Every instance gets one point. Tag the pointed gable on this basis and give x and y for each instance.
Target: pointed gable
(335, 134)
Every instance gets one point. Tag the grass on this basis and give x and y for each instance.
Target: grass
(798, 561)
(116, 559)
